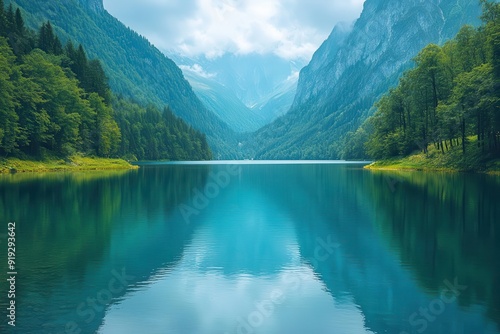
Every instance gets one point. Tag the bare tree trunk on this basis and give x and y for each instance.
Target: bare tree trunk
(463, 134)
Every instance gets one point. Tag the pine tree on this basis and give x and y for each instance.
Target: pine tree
(48, 41)
(43, 38)
(97, 82)
(19, 23)
(69, 50)
(57, 47)
(3, 23)
(9, 120)
(80, 66)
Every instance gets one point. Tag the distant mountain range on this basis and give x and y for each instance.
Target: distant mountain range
(136, 68)
(223, 102)
(352, 69)
(234, 94)
(246, 91)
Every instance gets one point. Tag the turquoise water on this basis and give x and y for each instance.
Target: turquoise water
(253, 248)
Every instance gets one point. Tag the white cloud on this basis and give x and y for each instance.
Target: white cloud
(291, 29)
(197, 69)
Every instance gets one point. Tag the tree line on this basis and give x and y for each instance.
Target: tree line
(55, 101)
(451, 98)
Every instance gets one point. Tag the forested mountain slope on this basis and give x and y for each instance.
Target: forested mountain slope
(448, 104)
(55, 103)
(136, 69)
(336, 91)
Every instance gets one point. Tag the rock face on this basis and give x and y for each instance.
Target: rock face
(353, 67)
(386, 37)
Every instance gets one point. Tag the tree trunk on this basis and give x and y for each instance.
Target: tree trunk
(463, 134)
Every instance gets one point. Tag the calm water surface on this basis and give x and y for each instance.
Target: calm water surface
(253, 248)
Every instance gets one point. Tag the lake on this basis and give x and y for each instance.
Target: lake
(305, 248)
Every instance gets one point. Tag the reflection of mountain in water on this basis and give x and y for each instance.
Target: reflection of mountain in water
(384, 280)
(82, 227)
(262, 233)
(244, 248)
(393, 245)
(444, 227)
(349, 206)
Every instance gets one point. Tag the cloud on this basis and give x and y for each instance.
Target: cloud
(198, 70)
(291, 29)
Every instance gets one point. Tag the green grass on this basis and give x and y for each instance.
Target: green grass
(451, 161)
(74, 163)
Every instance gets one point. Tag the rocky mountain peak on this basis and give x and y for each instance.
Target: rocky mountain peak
(387, 35)
(354, 67)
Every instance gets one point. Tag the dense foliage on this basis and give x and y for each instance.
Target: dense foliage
(351, 71)
(151, 134)
(54, 100)
(136, 69)
(450, 97)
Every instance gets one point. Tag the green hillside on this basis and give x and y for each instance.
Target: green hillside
(55, 103)
(450, 101)
(136, 69)
(352, 70)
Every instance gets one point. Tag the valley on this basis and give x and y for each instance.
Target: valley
(250, 166)
(264, 106)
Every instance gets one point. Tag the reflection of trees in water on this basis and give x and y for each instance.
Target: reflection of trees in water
(442, 225)
(445, 226)
(65, 221)
(62, 215)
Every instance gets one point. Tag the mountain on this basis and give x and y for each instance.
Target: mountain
(56, 103)
(278, 101)
(222, 101)
(136, 69)
(247, 91)
(352, 69)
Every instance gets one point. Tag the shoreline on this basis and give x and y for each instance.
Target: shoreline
(402, 165)
(413, 163)
(74, 163)
(473, 160)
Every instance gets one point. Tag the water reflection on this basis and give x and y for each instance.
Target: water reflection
(243, 271)
(75, 230)
(445, 226)
(275, 249)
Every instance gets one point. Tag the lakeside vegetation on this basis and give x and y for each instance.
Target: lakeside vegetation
(474, 160)
(56, 105)
(445, 112)
(73, 163)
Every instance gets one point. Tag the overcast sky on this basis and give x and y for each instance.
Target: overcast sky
(291, 29)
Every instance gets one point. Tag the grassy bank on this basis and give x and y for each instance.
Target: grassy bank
(453, 161)
(74, 163)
